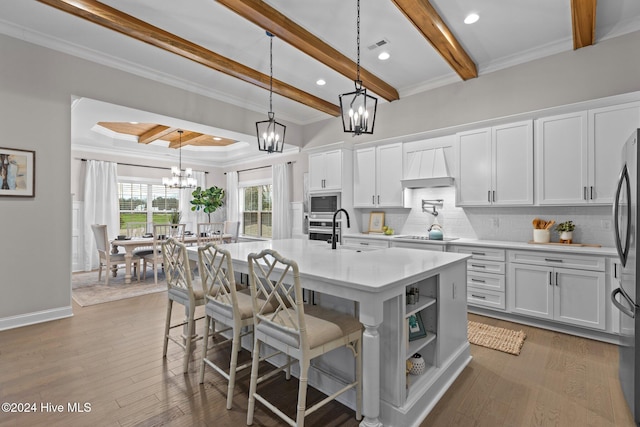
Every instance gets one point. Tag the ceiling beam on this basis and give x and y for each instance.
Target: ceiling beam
(116, 20)
(155, 133)
(427, 20)
(187, 137)
(583, 21)
(268, 18)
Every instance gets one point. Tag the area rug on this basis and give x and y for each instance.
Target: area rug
(86, 290)
(501, 339)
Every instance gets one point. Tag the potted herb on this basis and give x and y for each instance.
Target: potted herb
(208, 200)
(174, 217)
(565, 229)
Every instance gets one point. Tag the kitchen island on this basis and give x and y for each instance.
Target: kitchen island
(378, 281)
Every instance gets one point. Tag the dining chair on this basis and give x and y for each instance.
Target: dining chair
(210, 232)
(106, 258)
(301, 331)
(232, 228)
(161, 232)
(139, 229)
(183, 289)
(228, 310)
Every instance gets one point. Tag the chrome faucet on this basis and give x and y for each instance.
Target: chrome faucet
(333, 227)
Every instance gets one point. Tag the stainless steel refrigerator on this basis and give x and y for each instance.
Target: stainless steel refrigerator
(626, 291)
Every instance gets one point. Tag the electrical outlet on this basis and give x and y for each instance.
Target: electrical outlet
(495, 222)
(606, 224)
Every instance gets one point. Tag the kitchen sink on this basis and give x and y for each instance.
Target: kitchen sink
(422, 237)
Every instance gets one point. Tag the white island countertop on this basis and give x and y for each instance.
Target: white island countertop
(373, 270)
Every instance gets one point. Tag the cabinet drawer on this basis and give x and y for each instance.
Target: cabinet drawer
(486, 298)
(558, 260)
(486, 266)
(483, 253)
(372, 243)
(494, 282)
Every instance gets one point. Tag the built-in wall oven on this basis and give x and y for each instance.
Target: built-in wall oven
(321, 230)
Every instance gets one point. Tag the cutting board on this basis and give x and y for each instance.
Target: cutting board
(590, 245)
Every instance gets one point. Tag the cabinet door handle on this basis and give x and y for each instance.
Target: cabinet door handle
(478, 253)
(364, 244)
(552, 260)
(489, 196)
(591, 192)
(615, 270)
(478, 266)
(373, 200)
(479, 296)
(494, 196)
(557, 279)
(378, 199)
(479, 280)
(584, 193)
(550, 284)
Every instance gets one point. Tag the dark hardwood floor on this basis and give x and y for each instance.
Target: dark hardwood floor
(110, 356)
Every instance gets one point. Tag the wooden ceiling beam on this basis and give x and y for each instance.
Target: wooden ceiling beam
(155, 133)
(583, 21)
(268, 18)
(427, 20)
(116, 20)
(187, 137)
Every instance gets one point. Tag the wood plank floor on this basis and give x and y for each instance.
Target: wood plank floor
(110, 356)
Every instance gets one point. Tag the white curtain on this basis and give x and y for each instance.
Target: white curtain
(191, 218)
(281, 215)
(101, 205)
(232, 197)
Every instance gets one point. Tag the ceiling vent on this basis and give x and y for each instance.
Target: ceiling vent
(378, 44)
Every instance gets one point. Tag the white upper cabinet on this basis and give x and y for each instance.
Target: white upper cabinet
(495, 165)
(609, 129)
(377, 174)
(561, 159)
(325, 171)
(578, 154)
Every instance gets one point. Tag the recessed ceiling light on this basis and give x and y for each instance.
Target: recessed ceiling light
(471, 18)
(384, 56)
(216, 138)
(321, 82)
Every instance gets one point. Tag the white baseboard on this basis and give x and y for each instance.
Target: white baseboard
(35, 317)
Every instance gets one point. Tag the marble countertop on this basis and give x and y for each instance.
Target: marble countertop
(569, 249)
(365, 269)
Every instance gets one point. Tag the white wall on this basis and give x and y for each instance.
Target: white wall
(37, 84)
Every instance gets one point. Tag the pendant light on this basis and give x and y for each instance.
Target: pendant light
(357, 108)
(180, 178)
(270, 133)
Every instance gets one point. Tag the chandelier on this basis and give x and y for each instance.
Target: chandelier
(270, 133)
(358, 109)
(180, 178)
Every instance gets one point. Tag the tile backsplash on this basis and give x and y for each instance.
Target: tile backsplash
(593, 223)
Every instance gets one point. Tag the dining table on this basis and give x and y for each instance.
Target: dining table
(130, 244)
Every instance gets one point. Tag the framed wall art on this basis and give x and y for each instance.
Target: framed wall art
(17, 172)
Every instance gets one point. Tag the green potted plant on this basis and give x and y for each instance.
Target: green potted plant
(174, 217)
(208, 200)
(565, 229)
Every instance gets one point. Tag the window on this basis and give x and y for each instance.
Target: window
(256, 212)
(141, 202)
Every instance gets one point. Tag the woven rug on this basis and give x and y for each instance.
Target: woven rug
(86, 290)
(506, 340)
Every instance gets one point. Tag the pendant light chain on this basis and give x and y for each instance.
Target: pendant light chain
(271, 73)
(358, 42)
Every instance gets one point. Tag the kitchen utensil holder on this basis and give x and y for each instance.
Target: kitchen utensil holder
(541, 236)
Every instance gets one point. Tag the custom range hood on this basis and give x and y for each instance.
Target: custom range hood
(427, 168)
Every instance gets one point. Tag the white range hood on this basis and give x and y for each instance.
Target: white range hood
(427, 168)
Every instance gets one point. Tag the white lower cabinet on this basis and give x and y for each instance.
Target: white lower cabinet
(485, 276)
(365, 243)
(540, 285)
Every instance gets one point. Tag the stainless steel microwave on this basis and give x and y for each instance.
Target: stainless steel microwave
(323, 205)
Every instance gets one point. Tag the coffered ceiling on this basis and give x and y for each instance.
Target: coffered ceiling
(219, 48)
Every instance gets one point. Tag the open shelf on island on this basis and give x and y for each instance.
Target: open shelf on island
(417, 345)
(421, 305)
